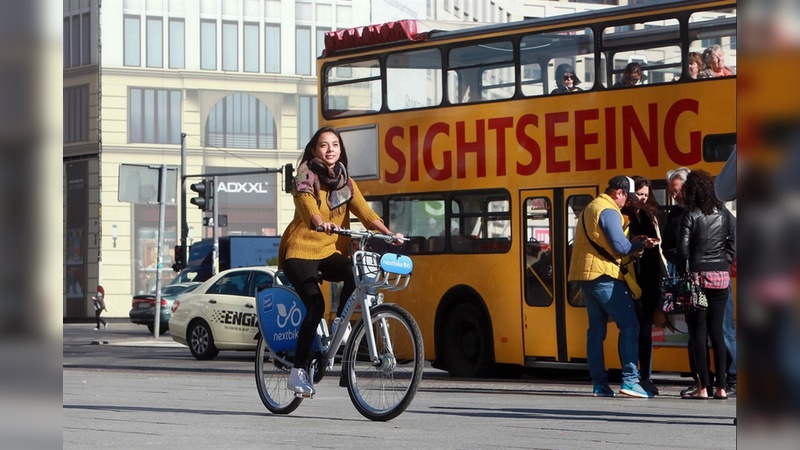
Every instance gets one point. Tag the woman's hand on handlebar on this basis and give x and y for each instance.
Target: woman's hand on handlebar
(399, 239)
(327, 227)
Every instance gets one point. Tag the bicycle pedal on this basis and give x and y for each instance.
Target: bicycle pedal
(304, 396)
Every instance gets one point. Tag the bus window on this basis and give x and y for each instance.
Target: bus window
(421, 218)
(654, 45)
(710, 28)
(718, 147)
(573, 47)
(481, 72)
(354, 88)
(575, 206)
(481, 223)
(414, 79)
(538, 254)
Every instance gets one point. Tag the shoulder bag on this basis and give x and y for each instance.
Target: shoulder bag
(682, 294)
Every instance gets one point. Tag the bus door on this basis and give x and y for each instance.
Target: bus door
(554, 319)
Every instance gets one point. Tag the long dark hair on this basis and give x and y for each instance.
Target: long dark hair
(698, 192)
(308, 154)
(651, 205)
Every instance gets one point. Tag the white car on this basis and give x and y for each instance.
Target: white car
(221, 313)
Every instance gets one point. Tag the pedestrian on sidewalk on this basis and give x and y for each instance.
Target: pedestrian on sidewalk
(99, 307)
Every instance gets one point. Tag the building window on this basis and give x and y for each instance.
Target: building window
(177, 44)
(132, 36)
(208, 44)
(154, 116)
(76, 114)
(241, 121)
(303, 57)
(272, 48)
(77, 45)
(251, 47)
(307, 119)
(155, 42)
(76, 41)
(230, 46)
(85, 33)
(321, 39)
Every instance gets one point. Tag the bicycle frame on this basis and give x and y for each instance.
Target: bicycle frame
(372, 272)
(380, 385)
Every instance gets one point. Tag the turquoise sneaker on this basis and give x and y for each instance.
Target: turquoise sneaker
(602, 390)
(635, 390)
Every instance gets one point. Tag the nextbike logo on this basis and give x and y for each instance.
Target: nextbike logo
(285, 315)
(246, 187)
(286, 335)
(396, 264)
(399, 264)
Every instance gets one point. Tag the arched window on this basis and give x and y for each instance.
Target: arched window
(241, 121)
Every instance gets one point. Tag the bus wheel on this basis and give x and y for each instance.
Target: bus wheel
(467, 346)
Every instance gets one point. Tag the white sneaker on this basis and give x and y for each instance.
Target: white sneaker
(298, 382)
(105, 325)
(96, 328)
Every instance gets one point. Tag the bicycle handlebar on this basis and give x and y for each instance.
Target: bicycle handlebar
(388, 238)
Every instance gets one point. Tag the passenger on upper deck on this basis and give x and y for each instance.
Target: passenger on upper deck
(632, 76)
(566, 80)
(715, 63)
(695, 64)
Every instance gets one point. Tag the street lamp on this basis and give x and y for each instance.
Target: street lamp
(114, 234)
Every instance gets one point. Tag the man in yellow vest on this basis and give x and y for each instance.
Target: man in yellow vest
(600, 244)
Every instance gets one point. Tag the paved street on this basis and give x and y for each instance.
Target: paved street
(123, 389)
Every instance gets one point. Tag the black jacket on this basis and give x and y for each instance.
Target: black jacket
(706, 242)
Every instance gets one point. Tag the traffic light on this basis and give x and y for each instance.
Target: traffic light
(178, 258)
(205, 194)
(288, 178)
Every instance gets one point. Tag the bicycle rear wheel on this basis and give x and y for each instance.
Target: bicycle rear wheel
(271, 378)
(382, 391)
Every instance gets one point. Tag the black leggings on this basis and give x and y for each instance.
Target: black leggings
(97, 313)
(302, 273)
(704, 325)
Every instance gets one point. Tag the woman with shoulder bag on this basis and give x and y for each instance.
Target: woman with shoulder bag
(706, 248)
(651, 266)
(99, 304)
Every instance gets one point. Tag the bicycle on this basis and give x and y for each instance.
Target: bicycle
(383, 357)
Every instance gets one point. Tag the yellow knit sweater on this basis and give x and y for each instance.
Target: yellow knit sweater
(301, 240)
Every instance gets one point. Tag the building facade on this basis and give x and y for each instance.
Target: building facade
(237, 78)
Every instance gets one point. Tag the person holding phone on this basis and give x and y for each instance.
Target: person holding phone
(599, 246)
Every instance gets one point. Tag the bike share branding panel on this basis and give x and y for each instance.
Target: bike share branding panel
(280, 313)
(394, 263)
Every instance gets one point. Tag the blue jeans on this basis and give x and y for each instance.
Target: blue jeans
(606, 297)
(729, 333)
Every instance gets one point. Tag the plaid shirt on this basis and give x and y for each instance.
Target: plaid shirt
(713, 279)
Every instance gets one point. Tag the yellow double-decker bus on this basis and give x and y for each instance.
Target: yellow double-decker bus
(460, 140)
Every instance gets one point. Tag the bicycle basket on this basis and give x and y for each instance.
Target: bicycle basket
(389, 271)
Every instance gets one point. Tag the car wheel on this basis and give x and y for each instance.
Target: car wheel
(201, 342)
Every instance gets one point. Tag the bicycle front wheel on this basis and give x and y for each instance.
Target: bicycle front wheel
(271, 378)
(381, 390)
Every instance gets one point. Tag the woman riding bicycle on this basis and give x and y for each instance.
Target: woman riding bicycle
(324, 196)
